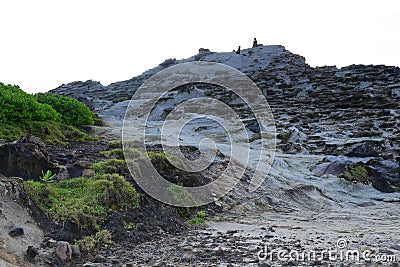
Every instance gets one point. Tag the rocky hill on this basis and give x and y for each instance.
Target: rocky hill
(335, 175)
(350, 114)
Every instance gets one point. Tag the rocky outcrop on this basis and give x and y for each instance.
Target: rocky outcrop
(28, 157)
(25, 158)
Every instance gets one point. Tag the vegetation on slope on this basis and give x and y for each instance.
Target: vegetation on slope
(86, 201)
(53, 118)
(73, 112)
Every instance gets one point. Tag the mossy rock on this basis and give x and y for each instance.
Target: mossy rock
(356, 173)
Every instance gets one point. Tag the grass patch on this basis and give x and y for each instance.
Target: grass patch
(161, 161)
(114, 145)
(181, 195)
(110, 166)
(284, 136)
(117, 153)
(50, 132)
(121, 99)
(90, 244)
(85, 201)
(198, 220)
(129, 225)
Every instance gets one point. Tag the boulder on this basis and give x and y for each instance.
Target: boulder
(381, 184)
(76, 169)
(297, 136)
(16, 231)
(32, 252)
(76, 252)
(64, 251)
(333, 168)
(363, 151)
(99, 259)
(396, 93)
(25, 158)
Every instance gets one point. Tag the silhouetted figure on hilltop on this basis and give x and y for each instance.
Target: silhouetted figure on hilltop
(238, 50)
(255, 43)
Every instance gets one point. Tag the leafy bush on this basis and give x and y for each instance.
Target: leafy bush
(84, 200)
(22, 113)
(73, 112)
(16, 106)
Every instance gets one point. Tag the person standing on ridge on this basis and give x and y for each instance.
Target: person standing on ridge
(255, 43)
(238, 50)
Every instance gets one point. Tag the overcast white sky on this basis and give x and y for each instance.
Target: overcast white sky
(45, 43)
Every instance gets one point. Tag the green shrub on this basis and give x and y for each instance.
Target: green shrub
(16, 106)
(84, 200)
(284, 136)
(21, 113)
(73, 112)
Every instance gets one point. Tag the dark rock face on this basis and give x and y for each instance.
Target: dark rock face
(25, 158)
(28, 157)
(363, 151)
